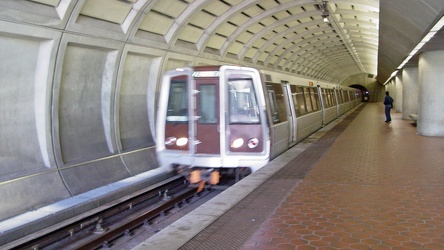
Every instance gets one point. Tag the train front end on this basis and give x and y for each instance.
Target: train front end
(212, 117)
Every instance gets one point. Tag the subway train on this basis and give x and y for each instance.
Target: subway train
(232, 117)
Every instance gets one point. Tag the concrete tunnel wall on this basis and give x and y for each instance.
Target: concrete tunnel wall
(75, 114)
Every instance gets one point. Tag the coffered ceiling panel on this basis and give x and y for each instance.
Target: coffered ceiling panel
(327, 40)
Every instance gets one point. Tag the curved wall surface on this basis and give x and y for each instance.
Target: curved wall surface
(76, 108)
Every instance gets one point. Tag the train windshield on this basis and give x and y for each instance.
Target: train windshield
(242, 102)
(177, 110)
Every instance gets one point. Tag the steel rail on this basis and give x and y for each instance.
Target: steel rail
(122, 229)
(41, 240)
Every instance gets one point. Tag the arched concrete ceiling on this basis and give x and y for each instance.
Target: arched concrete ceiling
(403, 24)
(287, 35)
(280, 34)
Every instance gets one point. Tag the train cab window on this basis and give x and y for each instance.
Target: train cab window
(207, 104)
(243, 106)
(177, 102)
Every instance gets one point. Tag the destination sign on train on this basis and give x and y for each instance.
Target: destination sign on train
(206, 74)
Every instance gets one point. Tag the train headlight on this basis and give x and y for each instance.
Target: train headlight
(253, 142)
(170, 141)
(237, 143)
(182, 141)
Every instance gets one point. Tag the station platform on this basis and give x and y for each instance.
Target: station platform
(358, 183)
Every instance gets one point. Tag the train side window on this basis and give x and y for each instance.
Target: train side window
(243, 106)
(177, 109)
(295, 100)
(314, 99)
(207, 104)
(340, 97)
(280, 100)
(331, 97)
(326, 96)
(347, 98)
(301, 100)
(273, 103)
(307, 95)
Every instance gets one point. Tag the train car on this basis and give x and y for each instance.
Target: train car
(231, 117)
(213, 117)
(300, 107)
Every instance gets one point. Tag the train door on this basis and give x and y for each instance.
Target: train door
(291, 113)
(323, 104)
(274, 109)
(243, 121)
(336, 93)
(207, 122)
(173, 119)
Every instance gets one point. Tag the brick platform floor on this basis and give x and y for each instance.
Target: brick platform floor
(365, 184)
(379, 186)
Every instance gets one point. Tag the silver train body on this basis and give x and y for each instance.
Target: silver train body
(230, 116)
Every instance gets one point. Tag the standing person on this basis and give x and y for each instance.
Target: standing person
(388, 103)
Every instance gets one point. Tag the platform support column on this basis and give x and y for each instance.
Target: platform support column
(409, 92)
(398, 93)
(391, 87)
(431, 89)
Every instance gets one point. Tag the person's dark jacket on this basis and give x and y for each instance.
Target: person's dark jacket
(388, 101)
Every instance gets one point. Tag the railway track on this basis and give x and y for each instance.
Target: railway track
(101, 229)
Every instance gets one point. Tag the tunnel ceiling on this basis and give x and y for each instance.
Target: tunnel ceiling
(403, 24)
(287, 35)
(280, 34)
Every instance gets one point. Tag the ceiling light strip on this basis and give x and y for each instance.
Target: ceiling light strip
(347, 42)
